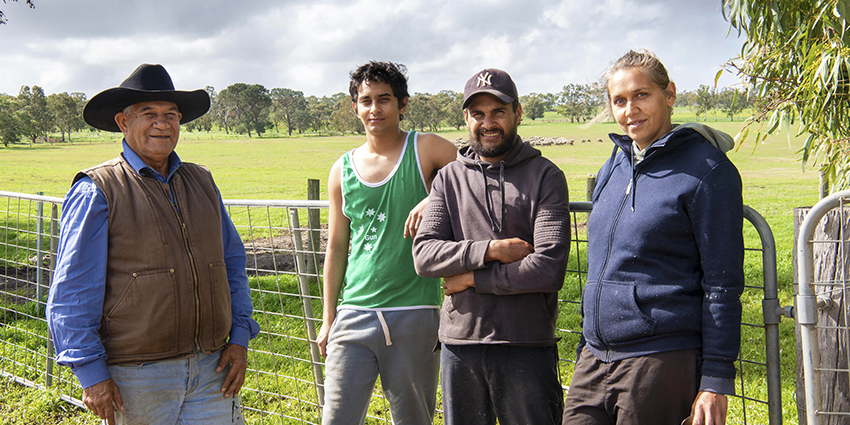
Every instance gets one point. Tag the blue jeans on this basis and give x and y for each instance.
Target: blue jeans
(170, 392)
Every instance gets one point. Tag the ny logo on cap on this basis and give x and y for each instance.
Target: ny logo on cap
(484, 79)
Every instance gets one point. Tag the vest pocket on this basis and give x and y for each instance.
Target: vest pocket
(144, 320)
(220, 294)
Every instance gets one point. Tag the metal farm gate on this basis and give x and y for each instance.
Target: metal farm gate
(285, 242)
(822, 310)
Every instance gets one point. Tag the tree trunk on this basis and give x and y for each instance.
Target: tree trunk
(831, 268)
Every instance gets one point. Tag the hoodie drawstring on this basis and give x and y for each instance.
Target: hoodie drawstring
(502, 191)
(494, 226)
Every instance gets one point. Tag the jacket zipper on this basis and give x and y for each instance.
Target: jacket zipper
(605, 264)
(195, 280)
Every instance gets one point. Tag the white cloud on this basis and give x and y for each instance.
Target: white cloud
(91, 45)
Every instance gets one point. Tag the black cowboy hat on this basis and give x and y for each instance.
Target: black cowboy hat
(146, 84)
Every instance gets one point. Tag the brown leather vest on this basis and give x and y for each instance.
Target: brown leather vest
(166, 284)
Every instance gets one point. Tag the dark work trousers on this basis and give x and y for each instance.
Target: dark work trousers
(517, 385)
(652, 389)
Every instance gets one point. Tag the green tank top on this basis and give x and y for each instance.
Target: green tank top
(380, 271)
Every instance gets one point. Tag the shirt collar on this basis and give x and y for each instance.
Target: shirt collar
(639, 153)
(139, 165)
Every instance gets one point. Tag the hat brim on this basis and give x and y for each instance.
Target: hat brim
(101, 109)
(505, 98)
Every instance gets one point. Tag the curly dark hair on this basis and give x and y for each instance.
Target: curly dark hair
(380, 72)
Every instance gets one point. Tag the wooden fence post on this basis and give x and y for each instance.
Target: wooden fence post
(314, 240)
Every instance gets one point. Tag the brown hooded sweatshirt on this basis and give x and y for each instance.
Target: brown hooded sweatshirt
(473, 202)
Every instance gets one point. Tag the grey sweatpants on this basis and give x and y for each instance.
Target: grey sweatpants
(398, 345)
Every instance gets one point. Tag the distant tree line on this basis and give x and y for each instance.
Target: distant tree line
(31, 115)
(726, 101)
(252, 109)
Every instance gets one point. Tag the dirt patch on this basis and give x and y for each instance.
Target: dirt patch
(18, 285)
(278, 254)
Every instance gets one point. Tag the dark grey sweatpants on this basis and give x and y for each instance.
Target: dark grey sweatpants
(517, 385)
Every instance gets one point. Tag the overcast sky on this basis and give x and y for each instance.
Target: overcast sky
(312, 45)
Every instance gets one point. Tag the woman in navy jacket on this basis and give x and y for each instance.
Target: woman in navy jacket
(661, 310)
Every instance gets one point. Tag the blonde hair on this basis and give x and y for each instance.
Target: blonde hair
(643, 60)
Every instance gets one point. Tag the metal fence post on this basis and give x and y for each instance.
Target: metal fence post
(772, 313)
(307, 304)
(54, 245)
(822, 309)
(807, 309)
(39, 253)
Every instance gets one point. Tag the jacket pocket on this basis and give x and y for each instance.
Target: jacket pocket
(222, 316)
(455, 322)
(144, 319)
(612, 313)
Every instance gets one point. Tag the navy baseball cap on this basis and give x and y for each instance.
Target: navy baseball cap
(493, 81)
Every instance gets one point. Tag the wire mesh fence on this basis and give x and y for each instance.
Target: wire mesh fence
(285, 243)
(823, 314)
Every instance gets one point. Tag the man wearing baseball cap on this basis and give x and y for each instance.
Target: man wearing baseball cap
(150, 305)
(497, 231)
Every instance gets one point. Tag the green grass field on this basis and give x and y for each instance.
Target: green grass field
(278, 167)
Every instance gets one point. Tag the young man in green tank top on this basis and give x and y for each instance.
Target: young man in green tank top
(387, 321)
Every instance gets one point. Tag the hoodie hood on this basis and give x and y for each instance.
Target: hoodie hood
(714, 137)
(717, 138)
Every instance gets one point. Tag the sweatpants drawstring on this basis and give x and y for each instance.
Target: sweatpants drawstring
(385, 328)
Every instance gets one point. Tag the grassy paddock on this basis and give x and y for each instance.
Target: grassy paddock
(277, 168)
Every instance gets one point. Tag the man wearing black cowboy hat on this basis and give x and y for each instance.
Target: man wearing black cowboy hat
(150, 305)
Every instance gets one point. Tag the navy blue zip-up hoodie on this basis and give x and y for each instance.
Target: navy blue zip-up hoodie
(665, 255)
